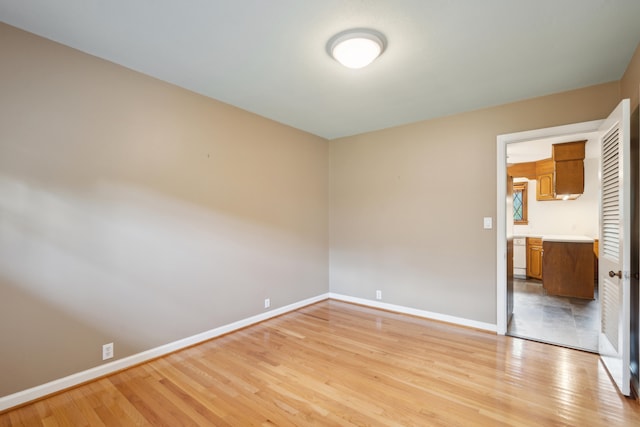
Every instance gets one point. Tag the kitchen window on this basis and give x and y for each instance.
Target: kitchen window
(520, 203)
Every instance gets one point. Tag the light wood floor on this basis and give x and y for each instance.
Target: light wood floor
(334, 363)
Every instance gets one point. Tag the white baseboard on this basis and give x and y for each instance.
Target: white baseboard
(34, 393)
(415, 312)
(55, 386)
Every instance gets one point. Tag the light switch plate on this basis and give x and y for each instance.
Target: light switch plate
(488, 223)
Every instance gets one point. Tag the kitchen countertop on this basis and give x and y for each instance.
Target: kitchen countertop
(567, 238)
(560, 238)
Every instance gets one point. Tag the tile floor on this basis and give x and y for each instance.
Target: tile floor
(570, 322)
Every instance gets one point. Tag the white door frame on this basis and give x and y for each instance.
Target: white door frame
(501, 220)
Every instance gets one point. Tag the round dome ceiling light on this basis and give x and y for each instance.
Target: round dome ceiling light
(356, 48)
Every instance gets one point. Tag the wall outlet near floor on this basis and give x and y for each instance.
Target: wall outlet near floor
(107, 351)
(378, 294)
(267, 303)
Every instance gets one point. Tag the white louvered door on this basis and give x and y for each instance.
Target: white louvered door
(615, 253)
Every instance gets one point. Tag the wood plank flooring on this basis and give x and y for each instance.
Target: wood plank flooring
(340, 364)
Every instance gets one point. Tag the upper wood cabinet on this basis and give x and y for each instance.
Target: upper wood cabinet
(544, 177)
(560, 177)
(522, 170)
(568, 159)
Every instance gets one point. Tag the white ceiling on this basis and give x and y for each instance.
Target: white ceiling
(268, 57)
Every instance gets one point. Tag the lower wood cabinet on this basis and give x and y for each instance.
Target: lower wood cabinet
(534, 257)
(568, 269)
(596, 256)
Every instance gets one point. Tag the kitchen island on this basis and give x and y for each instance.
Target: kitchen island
(568, 266)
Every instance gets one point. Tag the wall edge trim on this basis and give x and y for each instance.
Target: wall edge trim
(460, 321)
(40, 391)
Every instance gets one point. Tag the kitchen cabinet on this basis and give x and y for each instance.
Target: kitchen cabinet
(596, 256)
(568, 266)
(522, 170)
(544, 180)
(561, 177)
(534, 257)
(568, 159)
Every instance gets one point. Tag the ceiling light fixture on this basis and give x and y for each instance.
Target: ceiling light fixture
(356, 48)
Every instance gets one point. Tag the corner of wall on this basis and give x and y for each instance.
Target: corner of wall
(630, 81)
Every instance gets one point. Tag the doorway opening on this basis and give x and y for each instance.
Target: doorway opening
(507, 144)
(563, 311)
(618, 230)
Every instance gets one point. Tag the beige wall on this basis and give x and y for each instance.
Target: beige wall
(135, 212)
(407, 203)
(630, 82)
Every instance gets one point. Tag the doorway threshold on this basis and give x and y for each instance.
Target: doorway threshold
(557, 344)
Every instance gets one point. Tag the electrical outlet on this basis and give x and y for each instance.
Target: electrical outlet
(378, 294)
(267, 303)
(107, 351)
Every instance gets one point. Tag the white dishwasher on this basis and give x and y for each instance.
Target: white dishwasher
(520, 257)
